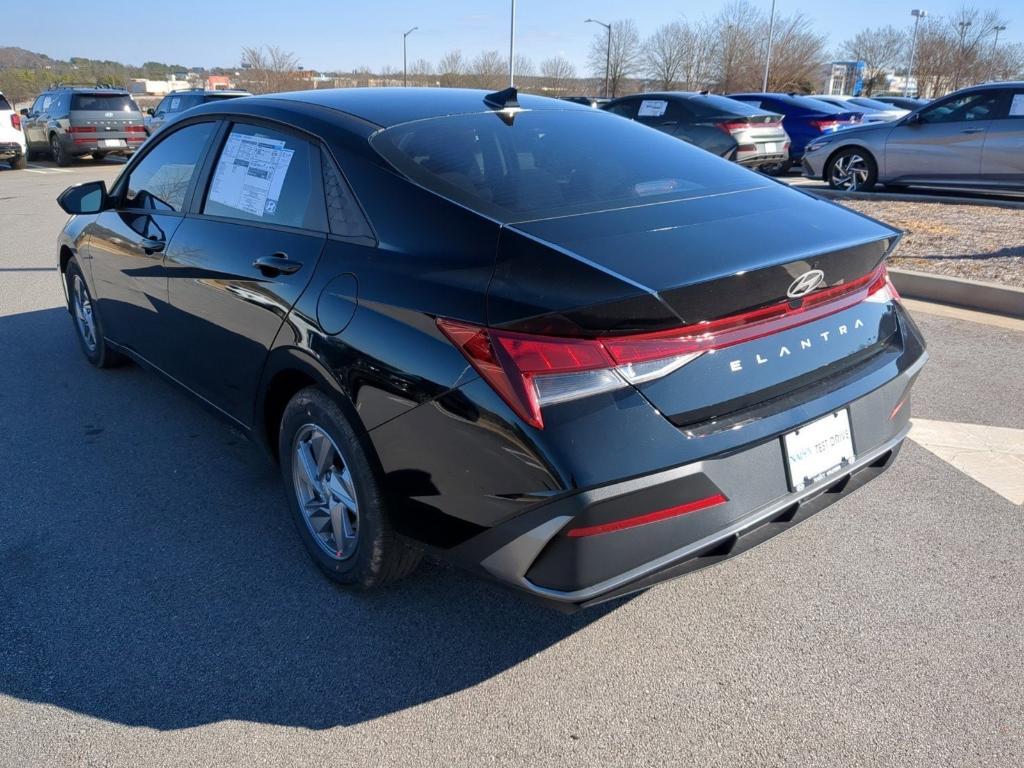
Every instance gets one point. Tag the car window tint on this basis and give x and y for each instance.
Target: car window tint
(104, 102)
(980, 105)
(47, 101)
(549, 162)
(720, 106)
(343, 212)
(4, 104)
(267, 176)
(624, 108)
(1014, 108)
(161, 179)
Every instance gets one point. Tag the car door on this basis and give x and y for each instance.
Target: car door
(126, 244)
(1002, 157)
(241, 258)
(942, 143)
(35, 121)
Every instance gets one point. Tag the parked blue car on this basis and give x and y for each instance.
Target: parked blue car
(804, 119)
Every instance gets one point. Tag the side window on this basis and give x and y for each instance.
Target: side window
(47, 102)
(1015, 107)
(980, 105)
(159, 182)
(268, 176)
(37, 106)
(343, 212)
(161, 108)
(624, 108)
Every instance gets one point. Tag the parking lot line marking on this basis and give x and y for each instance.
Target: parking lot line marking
(994, 456)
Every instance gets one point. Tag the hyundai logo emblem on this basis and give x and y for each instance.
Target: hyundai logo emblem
(806, 283)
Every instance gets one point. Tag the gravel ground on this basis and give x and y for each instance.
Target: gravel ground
(972, 241)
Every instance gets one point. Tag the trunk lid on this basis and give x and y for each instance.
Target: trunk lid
(665, 266)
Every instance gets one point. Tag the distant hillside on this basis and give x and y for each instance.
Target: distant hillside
(19, 58)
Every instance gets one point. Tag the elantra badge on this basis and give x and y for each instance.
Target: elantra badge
(806, 283)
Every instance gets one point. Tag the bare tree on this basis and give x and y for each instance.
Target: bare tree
(451, 70)
(798, 55)
(739, 37)
(489, 70)
(625, 59)
(524, 66)
(557, 74)
(664, 53)
(882, 50)
(270, 69)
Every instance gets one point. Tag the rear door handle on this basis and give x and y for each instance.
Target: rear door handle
(972, 130)
(151, 246)
(278, 264)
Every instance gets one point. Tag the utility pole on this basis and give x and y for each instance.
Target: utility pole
(512, 48)
(607, 55)
(918, 14)
(768, 58)
(995, 50)
(405, 62)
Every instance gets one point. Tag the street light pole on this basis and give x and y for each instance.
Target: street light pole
(768, 58)
(960, 52)
(608, 53)
(918, 14)
(405, 63)
(995, 49)
(512, 48)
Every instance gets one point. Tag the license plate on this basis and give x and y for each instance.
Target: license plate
(113, 143)
(818, 449)
(771, 147)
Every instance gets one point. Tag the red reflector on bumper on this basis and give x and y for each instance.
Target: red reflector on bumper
(650, 517)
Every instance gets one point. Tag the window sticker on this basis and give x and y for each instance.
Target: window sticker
(652, 108)
(1017, 105)
(250, 174)
(175, 101)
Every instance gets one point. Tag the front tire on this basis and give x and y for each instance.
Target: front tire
(336, 495)
(852, 170)
(86, 317)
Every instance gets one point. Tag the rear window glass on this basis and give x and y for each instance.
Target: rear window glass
(712, 106)
(106, 102)
(549, 163)
(815, 105)
(871, 104)
(4, 104)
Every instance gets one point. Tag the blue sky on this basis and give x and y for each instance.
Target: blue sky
(343, 34)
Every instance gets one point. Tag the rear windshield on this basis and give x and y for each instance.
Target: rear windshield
(710, 106)
(549, 163)
(4, 104)
(815, 105)
(107, 102)
(871, 104)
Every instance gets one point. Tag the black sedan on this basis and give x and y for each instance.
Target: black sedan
(561, 349)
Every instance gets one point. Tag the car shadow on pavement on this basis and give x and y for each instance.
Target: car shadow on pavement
(150, 574)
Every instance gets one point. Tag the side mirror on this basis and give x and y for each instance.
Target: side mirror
(23, 112)
(150, 111)
(914, 118)
(89, 197)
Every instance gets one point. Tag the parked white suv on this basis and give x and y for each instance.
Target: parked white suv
(12, 139)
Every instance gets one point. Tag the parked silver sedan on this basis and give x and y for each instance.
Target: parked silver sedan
(973, 138)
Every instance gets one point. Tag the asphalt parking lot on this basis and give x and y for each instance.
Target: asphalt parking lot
(157, 607)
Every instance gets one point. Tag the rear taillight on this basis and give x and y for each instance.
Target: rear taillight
(825, 125)
(16, 120)
(82, 129)
(135, 128)
(530, 372)
(733, 126)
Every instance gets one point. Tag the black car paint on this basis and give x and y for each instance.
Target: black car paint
(463, 472)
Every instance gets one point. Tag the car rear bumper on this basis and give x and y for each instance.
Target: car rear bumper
(10, 150)
(536, 553)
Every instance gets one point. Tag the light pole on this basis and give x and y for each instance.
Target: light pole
(918, 14)
(995, 49)
(405, 63)
(960, 52)
(768, 58)
(512, 48)
(608, 52)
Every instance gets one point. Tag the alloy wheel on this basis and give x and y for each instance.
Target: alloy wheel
(849, 172)
(83, 313)
(325, 492)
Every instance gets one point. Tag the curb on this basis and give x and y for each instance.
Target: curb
(908, 197)
(970, 294)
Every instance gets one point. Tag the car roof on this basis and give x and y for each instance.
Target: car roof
(390, 106)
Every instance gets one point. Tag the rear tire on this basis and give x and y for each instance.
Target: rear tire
(336, 495)
(60, 155)
(19, 163)
(852, 170)
(86, 318)
(98, 156)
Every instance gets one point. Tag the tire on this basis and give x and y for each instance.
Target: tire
(777, 169)
(851, 169)
(86, 319)
(336, 495)
(19, 163)
(30, 154)
(98, 156)
(60, 155)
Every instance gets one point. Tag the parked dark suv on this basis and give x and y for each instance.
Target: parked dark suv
(173, 104)
(71, 121)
